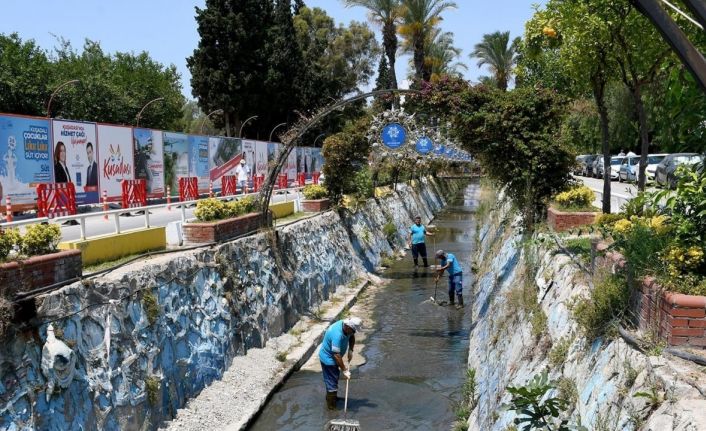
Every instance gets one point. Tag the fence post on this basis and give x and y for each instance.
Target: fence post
(169, 198)
(105, 205)
(147, 218)
(210, 189)
(183, 213)
(8, 209)
(83, 227)
(117, 222)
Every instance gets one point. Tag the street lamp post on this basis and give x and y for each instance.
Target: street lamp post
(317, 138)
(240, 132)
(275, 128)
(207, 116)
(73, 81)
(139, 114)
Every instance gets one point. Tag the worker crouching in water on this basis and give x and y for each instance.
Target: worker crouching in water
(450, 264)
(339, 338)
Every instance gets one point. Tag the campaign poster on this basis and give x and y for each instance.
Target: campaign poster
(250, 154)
(317, 160)
(224, 157)
(304, 161)
(116, 162)
(25, 158)
(75, 150)
(273, 151)
(291, 167)
(149, 160)
(198, 164)
(261, 158)
(176, 159)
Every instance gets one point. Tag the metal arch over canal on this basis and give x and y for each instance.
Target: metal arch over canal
(293, 135)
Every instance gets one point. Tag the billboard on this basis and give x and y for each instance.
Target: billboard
(116, 161)
(198, 163)
(149, 160)
(317, 160)
(250, 154)
(224, 156)
(25, 158)
(261, 158)
(176, 159)
(291, 166)
(304, 160)
(75, 154)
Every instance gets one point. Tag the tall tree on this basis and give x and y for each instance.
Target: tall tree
(383, 82)
(228, 67)
(418, 21)
(441, 55)
(298, 5)
(25, 73)
(387, 14)
(500, 55)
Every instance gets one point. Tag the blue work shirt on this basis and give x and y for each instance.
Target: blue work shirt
(335, 341)
(418, 233)
(454, 267)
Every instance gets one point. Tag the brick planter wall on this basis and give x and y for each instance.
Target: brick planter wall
(678, 319)
(39, 271)
(561, 221)
(312, 206)
(199, 233)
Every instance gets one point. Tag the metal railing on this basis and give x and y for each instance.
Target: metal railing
(145, 212)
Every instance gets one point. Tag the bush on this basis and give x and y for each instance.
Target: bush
(364, 184)
(210, 209)
(315, 191)
(390, 231)
(578, 198)
(642, 240)
(240, 207)
(608, 220)
(606, 304)
(40, 239)
(8, 239)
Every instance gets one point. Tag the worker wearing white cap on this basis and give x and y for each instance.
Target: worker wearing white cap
(339, 338)
(242, 171)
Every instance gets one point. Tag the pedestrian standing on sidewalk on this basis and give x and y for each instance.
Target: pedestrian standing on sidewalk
(417, 236)
(339, 338)
(450, 264)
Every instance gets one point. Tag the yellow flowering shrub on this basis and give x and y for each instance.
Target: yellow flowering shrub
(622, 226)
(680, 260)
(579, 197)
(660, 224)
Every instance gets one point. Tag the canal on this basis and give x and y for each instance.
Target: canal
(413, 353)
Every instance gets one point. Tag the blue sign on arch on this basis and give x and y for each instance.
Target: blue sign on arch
(440, 150)
(394, 135)
(424, 145)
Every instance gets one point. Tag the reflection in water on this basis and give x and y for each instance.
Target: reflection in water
(416, 351)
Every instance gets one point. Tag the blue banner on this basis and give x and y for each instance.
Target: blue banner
(394, 136)
(25, 158)
(424, 145)
(198, 163)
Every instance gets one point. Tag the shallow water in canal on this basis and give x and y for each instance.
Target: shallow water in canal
(415, 351)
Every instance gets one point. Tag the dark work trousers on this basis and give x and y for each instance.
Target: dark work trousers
(419, 249)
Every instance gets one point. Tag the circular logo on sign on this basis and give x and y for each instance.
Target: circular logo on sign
(424, 145)
(440, 150)
(394, 135)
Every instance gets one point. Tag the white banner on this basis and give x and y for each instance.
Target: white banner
(75, 154)
(261, 158)
(149, 160)
(250, 153)
(116, 162)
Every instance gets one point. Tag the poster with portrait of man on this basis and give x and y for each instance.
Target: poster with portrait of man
(74, 150)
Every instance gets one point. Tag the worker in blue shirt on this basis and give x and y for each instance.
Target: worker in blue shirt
(450, 264)
(417, 235)
(339, 338)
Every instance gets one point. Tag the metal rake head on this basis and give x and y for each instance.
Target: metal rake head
(343, 425)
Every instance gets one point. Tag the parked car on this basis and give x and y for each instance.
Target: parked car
(628, 168)
(615, 163)
(666, 172)
(598, 166)
(587, 165)
(578, 167)
(652, 161)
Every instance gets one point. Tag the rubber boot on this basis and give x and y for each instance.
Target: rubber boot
(331, 400)
(416, 262)
(460, 301)
(451, 298)
(426, 262)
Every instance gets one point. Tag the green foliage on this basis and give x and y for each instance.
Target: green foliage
(150, 303)
(314, 192)
(25, 75)
(536, 410)
(8, 239)
(281, 356)
(240, 207)
(498, 53)
(567, 390)
(363, 181)
(210, 209)
(386, 261)
(468, 400)
(576, 198)
(390, 231)
(558, 354)
(687, 207)
(40, 239)
(605, 305)
(346, 154)
(580, 247)
(642, 241)
(152, 386)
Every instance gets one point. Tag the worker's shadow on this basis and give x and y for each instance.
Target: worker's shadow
(355, 404)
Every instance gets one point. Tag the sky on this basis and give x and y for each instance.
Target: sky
(166, 29)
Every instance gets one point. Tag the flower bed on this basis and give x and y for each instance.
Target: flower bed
(315, 205)
(39, 271)
(221, 230)
(562, 221)
(315, 198)
(571, 209)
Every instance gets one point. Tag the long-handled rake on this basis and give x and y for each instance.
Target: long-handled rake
(344, 424)
(436, 286)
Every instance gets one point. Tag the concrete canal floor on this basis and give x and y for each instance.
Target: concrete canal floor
(410, 360)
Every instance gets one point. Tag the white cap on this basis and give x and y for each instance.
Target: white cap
(354, 323)
(242, 161)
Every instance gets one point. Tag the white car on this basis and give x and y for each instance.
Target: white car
(652, 161)
(615, 163)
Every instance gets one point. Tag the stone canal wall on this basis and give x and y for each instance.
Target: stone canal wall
(125, 350)
(609, 384)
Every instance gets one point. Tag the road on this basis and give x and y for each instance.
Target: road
(620, 192)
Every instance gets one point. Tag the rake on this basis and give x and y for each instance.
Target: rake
(343, 424)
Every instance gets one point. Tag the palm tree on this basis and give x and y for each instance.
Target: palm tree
(441, 55)
(387, 14)
(418, 21)
(499, 54)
